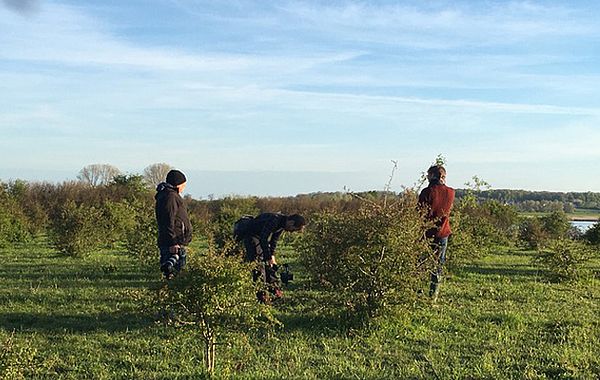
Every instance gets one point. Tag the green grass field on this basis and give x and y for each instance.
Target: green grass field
(584, 214)
(498, 318)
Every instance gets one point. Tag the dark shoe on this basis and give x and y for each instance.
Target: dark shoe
(263, 297)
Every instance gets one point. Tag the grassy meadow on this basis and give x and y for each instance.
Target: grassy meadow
(497, 318)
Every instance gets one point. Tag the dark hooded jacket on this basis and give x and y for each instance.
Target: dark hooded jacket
(174, 226)
(267, 227)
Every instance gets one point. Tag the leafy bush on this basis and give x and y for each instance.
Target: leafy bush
(371, 259)
(216, 295)
(534, 232)
(504, 218)
(75, 229)
(141, 236)
(118, 218)
(564, 258)
(14, 225)
(556, 225)
(531, 233)
(220, 230)
(592, 235)
(478, 227)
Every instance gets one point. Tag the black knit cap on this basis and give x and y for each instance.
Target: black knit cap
(175, 178)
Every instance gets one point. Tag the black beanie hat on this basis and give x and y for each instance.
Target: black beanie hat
(175, 178)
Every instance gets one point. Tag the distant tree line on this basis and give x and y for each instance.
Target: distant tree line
(539, 201)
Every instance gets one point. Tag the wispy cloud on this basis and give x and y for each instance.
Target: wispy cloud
(341, 84)
(63, 35)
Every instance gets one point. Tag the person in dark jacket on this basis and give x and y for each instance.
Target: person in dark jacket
(174, 228)
(438, 199)
(260, 242)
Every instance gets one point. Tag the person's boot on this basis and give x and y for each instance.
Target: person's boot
(434, 287)
(263, 297)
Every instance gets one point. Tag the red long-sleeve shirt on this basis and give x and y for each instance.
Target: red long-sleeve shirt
(438, 199)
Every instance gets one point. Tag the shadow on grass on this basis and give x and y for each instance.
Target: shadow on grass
(79, 278)
(313, 324)
(513, 271)
(74, 323)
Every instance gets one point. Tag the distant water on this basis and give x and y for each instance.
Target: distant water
(582, 225)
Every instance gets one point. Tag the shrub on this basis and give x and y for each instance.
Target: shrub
(75, 230)
(141, 236)
(477, 228)
(504, 218)
(592, 235)
(564, 258)
(14, 225)
(118, 218)
(220, 230)
(371, 259)
(215, 294)
(534, 232)
(556, 225)
(25, 206)
(531, 233)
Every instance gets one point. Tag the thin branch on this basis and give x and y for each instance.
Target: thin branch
(388, 186)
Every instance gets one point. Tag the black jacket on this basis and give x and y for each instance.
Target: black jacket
(174, 226)
(267, 227)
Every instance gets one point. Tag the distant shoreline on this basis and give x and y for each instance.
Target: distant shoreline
(583, 219)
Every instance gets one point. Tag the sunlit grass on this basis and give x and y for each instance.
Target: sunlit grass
(497, 318)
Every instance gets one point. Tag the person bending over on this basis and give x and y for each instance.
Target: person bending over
(260, 238)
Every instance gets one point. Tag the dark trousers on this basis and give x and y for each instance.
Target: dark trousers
(254, 253)
(438, 246)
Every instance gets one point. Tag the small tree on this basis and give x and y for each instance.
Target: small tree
(156, 173)
(556, 225)
(564, 258)
(531, 233)
(98, 174)
(592, 235)
(141, 238)
(75, 230)
(14, 224)
(373, 258)
(118, 218)
(229, 210)
(215, 295)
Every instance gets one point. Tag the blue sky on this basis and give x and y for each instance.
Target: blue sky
(287, 97)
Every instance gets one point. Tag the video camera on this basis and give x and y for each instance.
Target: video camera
(285, 276)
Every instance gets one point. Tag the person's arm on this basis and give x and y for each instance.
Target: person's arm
(266, 232)
(274, 238)
(170, 220)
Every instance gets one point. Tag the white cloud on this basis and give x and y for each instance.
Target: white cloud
(64, 35)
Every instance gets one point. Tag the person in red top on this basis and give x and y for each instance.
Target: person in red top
(438, 199)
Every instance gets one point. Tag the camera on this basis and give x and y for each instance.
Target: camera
(170, 266)
(286, 276)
